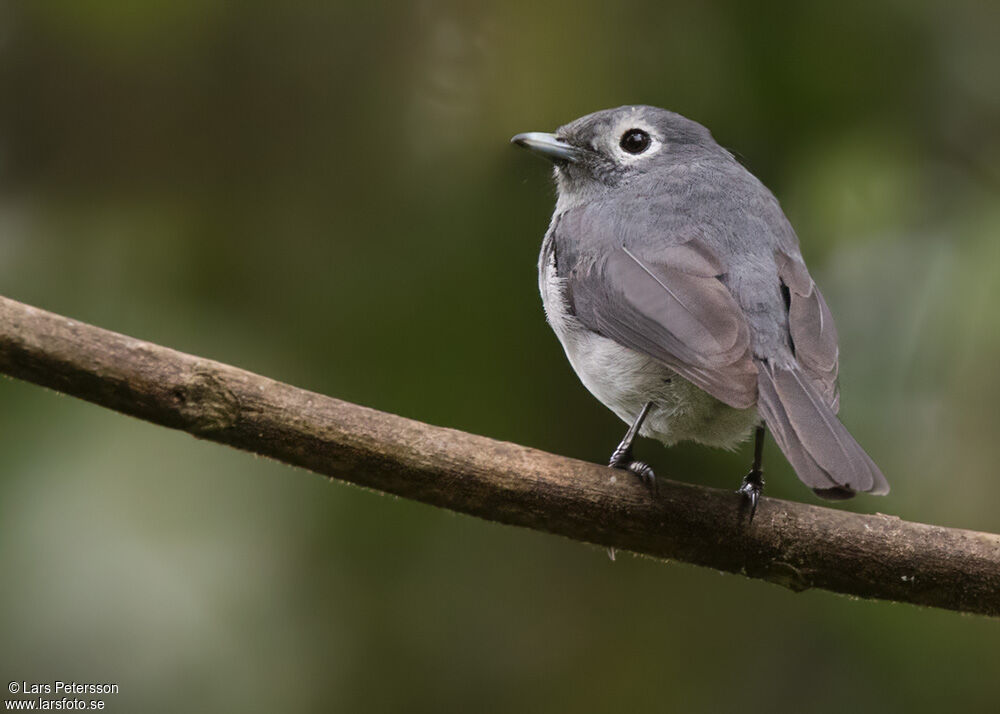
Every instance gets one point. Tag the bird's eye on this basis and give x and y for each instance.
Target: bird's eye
(635, 141)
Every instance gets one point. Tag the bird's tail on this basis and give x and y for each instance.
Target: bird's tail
(821, 450)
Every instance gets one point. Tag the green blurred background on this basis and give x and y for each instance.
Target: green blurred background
(324, 193)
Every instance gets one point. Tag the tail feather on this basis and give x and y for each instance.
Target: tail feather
(821, 450)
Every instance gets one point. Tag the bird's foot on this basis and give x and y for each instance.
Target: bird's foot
(623, 460)
(751, 489)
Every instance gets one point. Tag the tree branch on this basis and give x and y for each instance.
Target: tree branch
(796, 545)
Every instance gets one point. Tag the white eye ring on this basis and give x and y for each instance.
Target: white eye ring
(630, 125)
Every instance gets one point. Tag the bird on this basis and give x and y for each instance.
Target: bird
(677, 288)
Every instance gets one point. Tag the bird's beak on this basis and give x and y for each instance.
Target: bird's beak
(549, 146)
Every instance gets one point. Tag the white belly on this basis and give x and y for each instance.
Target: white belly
(624, 380)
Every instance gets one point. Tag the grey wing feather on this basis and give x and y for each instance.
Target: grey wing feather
(824, 454)
(773, 412)
(800, 401)
(673, 308)
(811, 328)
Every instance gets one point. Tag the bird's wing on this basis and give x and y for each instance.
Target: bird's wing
(799, 401)
(810, 326)
(672, 307)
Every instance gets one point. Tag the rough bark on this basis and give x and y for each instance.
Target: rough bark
(796, 545)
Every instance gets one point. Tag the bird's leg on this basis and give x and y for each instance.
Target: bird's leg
(622, 456)
(753, 482)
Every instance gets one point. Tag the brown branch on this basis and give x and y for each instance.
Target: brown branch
(792, 544)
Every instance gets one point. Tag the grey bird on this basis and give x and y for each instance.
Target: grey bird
(676, 286)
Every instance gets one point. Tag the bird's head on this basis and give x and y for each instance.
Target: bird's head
(609, 149)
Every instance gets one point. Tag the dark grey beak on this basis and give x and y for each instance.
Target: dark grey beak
(548, 145)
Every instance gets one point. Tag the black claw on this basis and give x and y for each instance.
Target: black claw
(643, 470)
(753, 482)
(645, 474)
(751, 488)
(622, 456)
